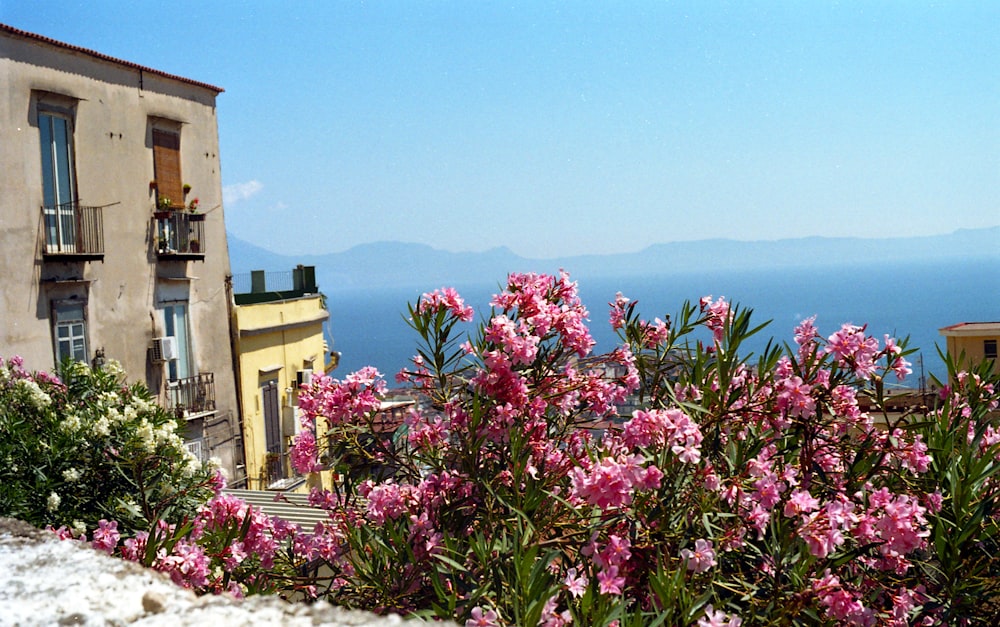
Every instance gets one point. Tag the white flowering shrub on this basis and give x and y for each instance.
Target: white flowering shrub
(91, 446)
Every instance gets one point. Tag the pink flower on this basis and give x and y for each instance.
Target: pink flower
(619, 311)
(701, 558)
(718, 618)
(609, 581)
(717, 315)
(800, 502)
(612, 482)
(795, 398)
(447, 299)
(304, 454)
(576, 586)
(106, 536)
(482, 619)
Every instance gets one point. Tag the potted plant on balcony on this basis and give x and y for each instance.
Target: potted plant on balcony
(194, 246)
(193, 211)
(163, 208)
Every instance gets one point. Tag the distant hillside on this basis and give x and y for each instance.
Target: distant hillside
(395, 264)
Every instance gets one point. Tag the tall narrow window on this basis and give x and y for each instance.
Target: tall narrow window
(175, 321)
(272, 430)
(69, 331)
(58, 184)
(167, 167)
(990, 349)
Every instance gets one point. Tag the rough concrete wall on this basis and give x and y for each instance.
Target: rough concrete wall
(47, 581)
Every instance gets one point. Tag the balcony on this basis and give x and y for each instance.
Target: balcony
(180, 235)
(73, 232)
(192, 396)
(264, 287)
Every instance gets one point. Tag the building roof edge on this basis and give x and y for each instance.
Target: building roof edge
(6, 28)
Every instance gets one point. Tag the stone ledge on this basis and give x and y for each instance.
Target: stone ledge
(48, 581)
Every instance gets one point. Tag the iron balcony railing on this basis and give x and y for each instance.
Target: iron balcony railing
(192, 395)
(276, 467)
(179, 233)
(73, 229)
(259, 286)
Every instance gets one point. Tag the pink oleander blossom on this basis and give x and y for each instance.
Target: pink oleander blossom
(445, 299)
(609, 581)
(612, 482)
(480, 618)
(717, 315)
(304, 454)
(718, 618)
(795, 398)
(341, 402)
(619, 310)
(575, 585)
(702, 558)
(106, 536)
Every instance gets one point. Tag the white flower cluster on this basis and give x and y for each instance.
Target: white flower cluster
(52, 503)
(114, 367)
(71, 423)
(39, 398)
(101, 427)
(71, 474)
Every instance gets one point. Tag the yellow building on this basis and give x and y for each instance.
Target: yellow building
(969, 343)
(278, 332)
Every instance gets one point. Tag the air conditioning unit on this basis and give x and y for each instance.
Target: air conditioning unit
(164, 349)
(304, 377)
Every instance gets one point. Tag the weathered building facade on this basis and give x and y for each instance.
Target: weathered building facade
(113, 244)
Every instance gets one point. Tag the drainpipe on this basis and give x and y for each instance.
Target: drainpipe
(234, 352)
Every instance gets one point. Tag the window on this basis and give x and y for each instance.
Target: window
(990, 349)
(58, 181)
(70, 331)
(167, 166)
(175, 323)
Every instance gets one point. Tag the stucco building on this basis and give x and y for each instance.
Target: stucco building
(278, 322)
(101, 257)
(969, 343)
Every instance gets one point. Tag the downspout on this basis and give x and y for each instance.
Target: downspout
(234, 353)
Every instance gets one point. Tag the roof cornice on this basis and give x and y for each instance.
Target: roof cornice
(4, 28)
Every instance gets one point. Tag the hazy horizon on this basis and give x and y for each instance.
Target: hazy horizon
(504, 247)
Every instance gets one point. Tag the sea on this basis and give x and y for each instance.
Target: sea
(903, 299)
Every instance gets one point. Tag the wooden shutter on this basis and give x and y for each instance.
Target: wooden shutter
(272, 417)
(167, 166)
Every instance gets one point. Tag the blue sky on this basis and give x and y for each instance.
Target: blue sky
(560, 128)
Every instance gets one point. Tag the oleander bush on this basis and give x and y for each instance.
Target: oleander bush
(734, 488)
(88, 445)
(678, 480)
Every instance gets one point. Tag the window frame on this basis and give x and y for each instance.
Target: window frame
(59, 308)
(59, 180)
(990, 348)
(183, 367)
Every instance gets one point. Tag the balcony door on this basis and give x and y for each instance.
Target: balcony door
(272, 429)
(58, 184)
(175, 324)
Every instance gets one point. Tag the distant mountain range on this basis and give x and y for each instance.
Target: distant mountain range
(397, 264)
